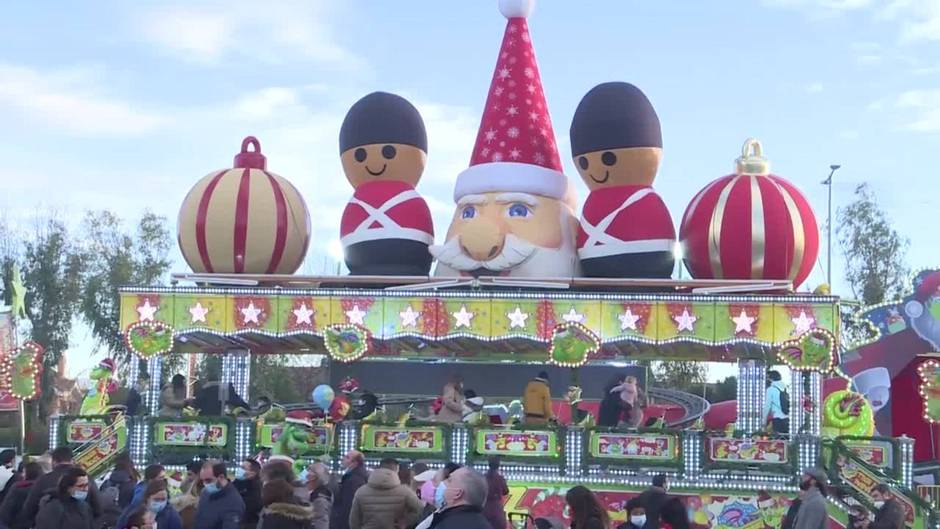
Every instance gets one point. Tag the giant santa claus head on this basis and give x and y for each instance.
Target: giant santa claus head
(514, 214)
(924, 309)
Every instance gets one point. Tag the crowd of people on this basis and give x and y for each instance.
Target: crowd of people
(55, 493)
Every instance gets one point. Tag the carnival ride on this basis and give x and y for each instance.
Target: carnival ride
(508, 290)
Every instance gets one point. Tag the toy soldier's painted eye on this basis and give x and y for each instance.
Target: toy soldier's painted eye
(468, 212)
(519, 210)
(583, 163)
(609, 158)
(360, 155)
(388, 152)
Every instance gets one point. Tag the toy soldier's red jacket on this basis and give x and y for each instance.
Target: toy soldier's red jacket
(624, 220)
(386, 209)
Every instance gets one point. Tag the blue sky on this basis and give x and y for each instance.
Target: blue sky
(126, 104)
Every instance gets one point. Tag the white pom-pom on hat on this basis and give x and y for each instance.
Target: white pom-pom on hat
(516, 8)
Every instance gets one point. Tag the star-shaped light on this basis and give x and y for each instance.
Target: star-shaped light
(743, 322)
(147, 311)
(803, 323)
(685, 321)
(628, 320)
(517, 318)
(198, 313)
(463, 317)
(409, 318)
(250, 313)
(572, 316)
(304, 314)
(356, 316)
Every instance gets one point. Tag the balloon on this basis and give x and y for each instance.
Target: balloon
(323, 396)
(340, 408)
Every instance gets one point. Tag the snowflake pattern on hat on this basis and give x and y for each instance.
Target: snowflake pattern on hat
(516, 126)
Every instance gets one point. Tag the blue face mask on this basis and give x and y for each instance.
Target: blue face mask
(212, 488)
(80, 495)
(439, 495)
(239, 473)
(156, 506)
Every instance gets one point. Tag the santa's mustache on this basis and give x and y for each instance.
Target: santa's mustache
(515, 251)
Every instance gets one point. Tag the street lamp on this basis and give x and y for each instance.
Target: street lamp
(828, 182)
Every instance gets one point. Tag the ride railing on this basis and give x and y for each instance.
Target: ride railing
(930, 494)
(96, 440)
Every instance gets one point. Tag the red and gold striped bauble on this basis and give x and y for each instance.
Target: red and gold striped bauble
(750, 225)
(244, 220)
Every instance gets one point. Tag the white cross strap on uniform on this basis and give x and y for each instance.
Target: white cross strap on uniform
(601, 244)
(388, 228)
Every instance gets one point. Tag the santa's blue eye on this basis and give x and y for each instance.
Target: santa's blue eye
(519, 210)
(469, 212)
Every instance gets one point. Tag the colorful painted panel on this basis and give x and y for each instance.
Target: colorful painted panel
(395, 439)
(748, 451)
(644, 447)
(878, 454)
(319, 440)
(537, 443)
(98, 455)
(190, 434)
(83, 431)
(863, 481)
(708, 509)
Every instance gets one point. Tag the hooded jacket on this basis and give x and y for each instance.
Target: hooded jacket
(384, 503)
(69, 513)
(13, 502)
(286, 516)
(537, 401)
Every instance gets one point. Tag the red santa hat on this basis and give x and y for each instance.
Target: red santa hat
(107, 363)
(515, 149)
(300, 417)
(764, 500)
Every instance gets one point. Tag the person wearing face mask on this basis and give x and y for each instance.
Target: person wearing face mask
(464, 496)
(248, 484)
(69, 507)
(220, 506)
(154, 500)
(47, 485)
(890, 514)
(858, 517)
(812, 513)
(636, 515)
(141, 519)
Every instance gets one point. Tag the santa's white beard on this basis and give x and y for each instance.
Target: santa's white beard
(519, 257)
(927, 328)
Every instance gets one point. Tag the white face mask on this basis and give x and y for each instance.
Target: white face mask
(638, 520)
(879, 504)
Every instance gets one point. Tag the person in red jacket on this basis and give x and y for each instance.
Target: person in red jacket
(386, 227)
(616, 142)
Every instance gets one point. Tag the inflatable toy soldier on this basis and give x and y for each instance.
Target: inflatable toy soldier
(386, 226)
(616, 142)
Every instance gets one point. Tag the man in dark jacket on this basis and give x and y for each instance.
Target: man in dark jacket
(653, 499)
(220, 506)
(47, 484)
(356, 475)
(214, 396)
(813, 513)
(248, 484)
(890, 514)
(464, 498)
(16, 496)
(384, 502)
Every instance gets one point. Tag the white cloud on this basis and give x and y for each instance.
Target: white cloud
(267, 103)
(868, 59)
(917, 20)
(814, 88)
(271, 32)
(72, 101)
(849, 134)
(926, 105)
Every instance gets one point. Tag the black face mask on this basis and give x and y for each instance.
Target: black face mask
(805, 485)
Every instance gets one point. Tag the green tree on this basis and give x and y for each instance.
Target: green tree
(272, 376)
(726, 389)
(114, 258)
(52, 272)
(681, 375)
(874, 252)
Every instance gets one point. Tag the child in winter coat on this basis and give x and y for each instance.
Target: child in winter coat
(636, 515)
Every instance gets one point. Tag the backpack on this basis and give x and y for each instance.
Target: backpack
(784, 401)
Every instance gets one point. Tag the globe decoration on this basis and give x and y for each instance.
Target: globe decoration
(323, 396)
(244, 220)
(750, 225)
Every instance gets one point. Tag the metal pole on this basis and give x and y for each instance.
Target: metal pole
(828, 182)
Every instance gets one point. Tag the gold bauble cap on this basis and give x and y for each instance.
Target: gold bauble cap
(752, 161)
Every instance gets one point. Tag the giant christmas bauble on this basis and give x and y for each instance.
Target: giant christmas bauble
(750, 225)
(244, 220)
